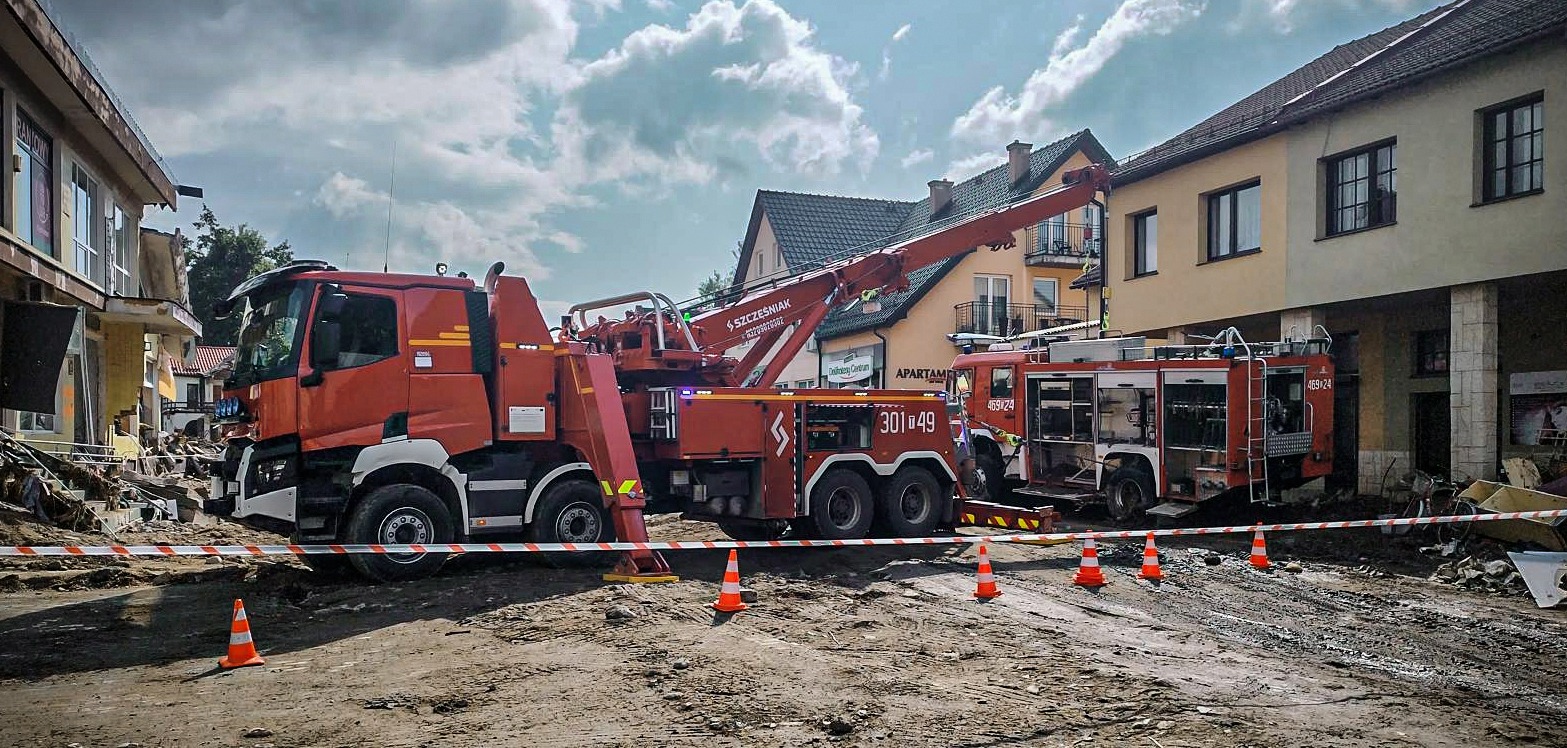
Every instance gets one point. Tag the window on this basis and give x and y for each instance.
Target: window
(36, 422)
(118, 257)
(805, 384)
(369, 325)
(1362, 189)
(1001, 381)
(1145, 243)
(193, 393)
(1514, 145)
(87, 223)
(781, 385)
(1235, 221)
(1431, 352)
(34, 185)
(992, 293)
(1045, 296)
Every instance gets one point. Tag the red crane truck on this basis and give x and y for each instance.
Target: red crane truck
(1145, 430)
(389, 408)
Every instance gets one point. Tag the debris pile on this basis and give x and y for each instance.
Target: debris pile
(1479, 574)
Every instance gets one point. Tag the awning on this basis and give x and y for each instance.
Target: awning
(158, 316)
(1093, 277)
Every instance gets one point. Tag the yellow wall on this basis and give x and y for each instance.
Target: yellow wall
(1187, 289)
(123, 359)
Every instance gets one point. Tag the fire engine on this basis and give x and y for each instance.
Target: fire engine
(1113, 420)
(389, 408)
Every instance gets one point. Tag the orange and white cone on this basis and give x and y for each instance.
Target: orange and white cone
(242, 649)
(1150, 571)
(1259, 552)
(729, 593)
(1088, 573)
(987, 580)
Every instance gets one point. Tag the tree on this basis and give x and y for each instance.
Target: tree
(223, 258)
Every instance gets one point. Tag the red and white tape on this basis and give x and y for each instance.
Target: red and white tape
(1056, 537)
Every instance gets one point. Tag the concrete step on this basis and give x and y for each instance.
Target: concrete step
(1173, 509)
(111, 522)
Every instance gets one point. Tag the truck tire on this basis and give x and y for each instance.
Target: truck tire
(842, 506)
(911, 504)
(572, 511)
(1128, 493)
(398, 514)
(989, 474)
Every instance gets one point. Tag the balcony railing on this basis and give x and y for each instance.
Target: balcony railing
(1062, 244)
(1003, 320)
(172, 407)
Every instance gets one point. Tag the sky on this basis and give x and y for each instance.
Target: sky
(604, 146)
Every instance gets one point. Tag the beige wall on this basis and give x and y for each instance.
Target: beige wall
(1441, 238)
(1187, 289)
(767, 261)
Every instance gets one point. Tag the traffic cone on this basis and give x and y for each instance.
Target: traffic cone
(1259, 552)
(729, 592)
(1088, 573)
(987, 580)
(242, 649)
(1151, 571)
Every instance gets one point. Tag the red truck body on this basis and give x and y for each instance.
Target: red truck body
(1131, 426)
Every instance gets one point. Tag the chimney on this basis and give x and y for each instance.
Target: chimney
(1017, 160)
(940, 194)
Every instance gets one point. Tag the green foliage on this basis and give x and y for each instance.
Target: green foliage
(223, 258)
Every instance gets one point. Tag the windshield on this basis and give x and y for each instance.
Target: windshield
(269, 333)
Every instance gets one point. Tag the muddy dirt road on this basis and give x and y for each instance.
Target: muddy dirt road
(859, 647)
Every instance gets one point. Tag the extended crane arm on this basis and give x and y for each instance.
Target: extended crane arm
(806, 298)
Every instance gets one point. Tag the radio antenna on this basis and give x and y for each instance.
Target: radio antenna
(391, 197)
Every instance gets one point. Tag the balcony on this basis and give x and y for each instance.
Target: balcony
(171, 407)
(1057, 244)
(1005, 320)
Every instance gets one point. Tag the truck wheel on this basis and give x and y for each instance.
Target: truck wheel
(1128, 493)
(988, 477)
(571, 512)
(399, 514)
(910, 504)
(842, 506)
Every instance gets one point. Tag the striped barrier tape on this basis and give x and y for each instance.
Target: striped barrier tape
(1055, 537)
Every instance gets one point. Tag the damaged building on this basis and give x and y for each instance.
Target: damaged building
(95, 309)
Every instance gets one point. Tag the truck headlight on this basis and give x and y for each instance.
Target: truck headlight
(274, 474)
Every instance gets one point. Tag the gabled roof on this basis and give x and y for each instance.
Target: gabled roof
(208, 359)
(813, 228)
(1434, 41)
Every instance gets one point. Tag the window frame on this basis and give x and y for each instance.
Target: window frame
(1421, 352)
(1488, 141)
(1140, 265)
(1055, 295)
(1003, 375)
(1380, 211)
(398, 348)
(1233, 195)
(93, 225)
(33, 160)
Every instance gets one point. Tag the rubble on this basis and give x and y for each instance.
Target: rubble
(1474, 573)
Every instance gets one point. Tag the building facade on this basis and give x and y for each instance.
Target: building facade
(82, 342)
(1395, 192)
(905, 339)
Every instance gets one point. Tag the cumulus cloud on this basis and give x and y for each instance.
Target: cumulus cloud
(672, 103)
(886, 52)
(999, 116)
(662, 6)
(918, 156)
(496, 121)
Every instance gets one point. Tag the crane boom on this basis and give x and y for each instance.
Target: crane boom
(763, 315)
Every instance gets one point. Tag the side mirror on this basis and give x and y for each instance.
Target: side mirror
(326, 342)
(331, 306)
